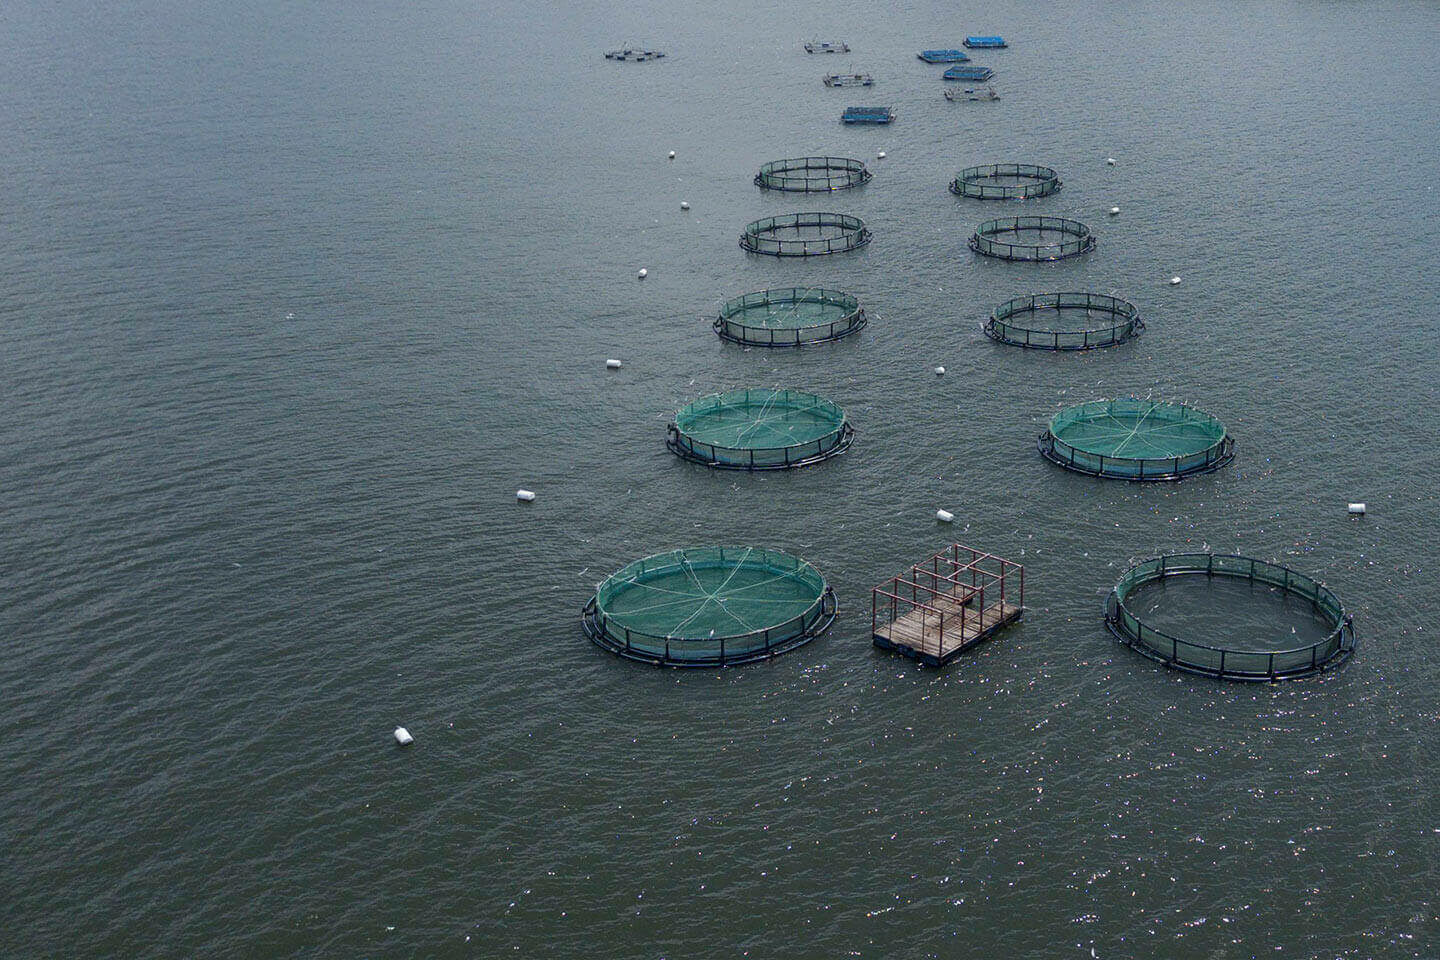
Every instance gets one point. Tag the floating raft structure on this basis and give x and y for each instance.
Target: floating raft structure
(975, 73)
(759, 429)
(944, 56)
(867, 115)
(942, 607)
(1006, 181)
(1076, 321)
(1032, 238)
(805, 234)
(634, 55)
(789, 317)
(971, 93)
(848, 80)
(1134, 439)
(709, 607)
(838, 46)
(986, 43)
(812, 174)
(1252, 662)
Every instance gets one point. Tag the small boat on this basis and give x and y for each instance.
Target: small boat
(980, 74)
(815, 46)
(849, 80)
(971, 93)
(867, 115)
(986, 43)
(943, 56)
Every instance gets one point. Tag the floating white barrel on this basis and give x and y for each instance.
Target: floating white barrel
(1357, 508)
(1174, 280)
(880, 155)
(525, 495)
(1114, 211)
(684, 204)
(1110, 161)
(672, 154)
(939, 371)
(944, 516)
(402, 737)
(643, 273)
(613, 364)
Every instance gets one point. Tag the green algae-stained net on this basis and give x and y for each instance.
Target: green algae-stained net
(1135, 439)
(789, 317)
(759, 429)
(710, 606)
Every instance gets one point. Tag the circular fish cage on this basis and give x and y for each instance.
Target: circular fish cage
(759, 429)
(1032, 238)
(1005, 181)
(1065, 321)
(789, 317)
(1134, 439)
(1259, 661)
(812, 174)
(709, 607)
(805, 234)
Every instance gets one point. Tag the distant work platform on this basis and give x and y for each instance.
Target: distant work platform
(969, 73)
(849, 80)
(943, 56)
(634, 54)
(942, 607)
(867, 115)
(838, 46)
(986, 43)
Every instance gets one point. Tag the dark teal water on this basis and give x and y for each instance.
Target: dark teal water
(295, 296)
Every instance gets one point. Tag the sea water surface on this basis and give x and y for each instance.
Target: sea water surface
(296, 295)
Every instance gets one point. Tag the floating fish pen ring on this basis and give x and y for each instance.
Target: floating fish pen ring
(1135, 439)
(812, 174)
(805, 234)
(789, 317)
(1005, 181)
(759, 429)
(1228, 663)
(1016, 322)
(1055, 238)
(709, 607)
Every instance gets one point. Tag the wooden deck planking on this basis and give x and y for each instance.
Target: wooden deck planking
(917, 633)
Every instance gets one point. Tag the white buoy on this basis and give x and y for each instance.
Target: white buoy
(880, 155)
(672, 154)
(939, 371)
(613, 364)
(402, 737)
(1174, 280)
(643, 273)
(684, 204)
(944, 516)
(1114, 210)
(1358, 509)
(1110, 161)
(526, 496)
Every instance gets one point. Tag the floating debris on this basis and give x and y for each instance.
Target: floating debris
(838, 46)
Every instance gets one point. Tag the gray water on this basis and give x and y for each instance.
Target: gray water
(296, 295)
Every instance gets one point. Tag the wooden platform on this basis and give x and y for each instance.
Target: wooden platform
(917, 634)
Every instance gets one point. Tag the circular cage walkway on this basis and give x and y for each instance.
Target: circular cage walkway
(709, 607)
(805, 234)
(1032, 238)
(759, 429)
(1019, 323)
(1134, 439)
(812, 174)
(1229, 663)
(789, 317)
(1005, 181)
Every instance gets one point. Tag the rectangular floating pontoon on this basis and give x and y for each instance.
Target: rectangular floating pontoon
(942, 607)
(634, 55)
(986, 43)
(867, 115)
(971, 93)
(849, 80)
(969, 73)
(839, 46)
(943, 56)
